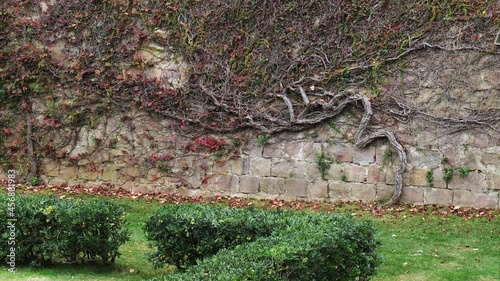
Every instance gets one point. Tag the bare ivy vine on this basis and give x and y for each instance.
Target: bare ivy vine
(270, 66)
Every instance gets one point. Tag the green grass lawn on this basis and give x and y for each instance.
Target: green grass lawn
(439, 248)
(416, 245)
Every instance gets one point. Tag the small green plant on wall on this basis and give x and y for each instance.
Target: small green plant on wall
(429, 176)
(324, 162)
(34, 181)
(448, 175)
(163, 166)
(445, 161)
(263, 139)
(343, 177)
(463, 171)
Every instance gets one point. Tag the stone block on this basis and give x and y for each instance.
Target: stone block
(312, 171)
(475, 181)
(340, 153)
(133, 172)
(430, 158)
(193, 181)
(296, 188)
(318, 190)
(490, 156)
(77, 150)
(128, 185)
(336, 172)
(494, 181)
(477, 80)
(281, 168)
(383, 155)
(452, 153)
(390, 177)
(471, 159)
(69, 172)
(463, 198)
(375, 175)
(201, 192)
(418, 176)
(271, 185)
(413, 156)
(260, 167)
(426, 138)
(364, 156)
(356, 173)
(218, 167)
(309, 151)
(480, 140)
(365, 192)
(118, 152)
(254, 151)
(384, 192)
(263, 196)
(101, 157)
(86, 174)
(273, 151)
(298, 170)
(413, 194)
(339, 191)
(122, 162)
(38, 105)
(439, 179)
(249, 184)
(293, 149)
(467, 198)
(58, 182)
(164, 189)
(438, 196)
(74, 183)
(154, 174)
(240, 166)
(94, 184)
(487, 200)
(51, 168)
(492, 77)
(226, 183)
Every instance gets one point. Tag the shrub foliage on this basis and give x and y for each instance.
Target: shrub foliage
(262, 245)
(185, 234)
(49, 229)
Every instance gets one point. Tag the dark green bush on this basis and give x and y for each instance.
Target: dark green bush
(49, 229)
(301, 246)
(186, 233)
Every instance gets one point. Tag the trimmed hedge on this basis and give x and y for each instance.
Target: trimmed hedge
(299, 246)
(186, 233)
(49, 229)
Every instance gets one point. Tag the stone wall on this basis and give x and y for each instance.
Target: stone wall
(286, 167)
(142, 152)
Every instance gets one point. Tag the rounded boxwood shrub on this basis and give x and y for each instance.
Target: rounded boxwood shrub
(186, 233)
(297, 246)
(49, 229)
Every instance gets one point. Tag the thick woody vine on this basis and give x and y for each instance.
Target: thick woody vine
(266, 66)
